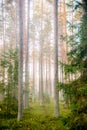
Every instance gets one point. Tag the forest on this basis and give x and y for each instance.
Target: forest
(43, 65)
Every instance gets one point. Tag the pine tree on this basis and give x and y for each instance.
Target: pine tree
(20, 71)
(56, 92)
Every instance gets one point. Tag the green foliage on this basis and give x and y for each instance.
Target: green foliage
(8, 108)
(36, 118)
(78, 42)
(76, 91)
(78, 118)
(8, 83)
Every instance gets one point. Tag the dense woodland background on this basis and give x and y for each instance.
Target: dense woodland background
(43, 64)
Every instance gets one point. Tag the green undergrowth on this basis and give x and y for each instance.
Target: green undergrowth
(37, 118)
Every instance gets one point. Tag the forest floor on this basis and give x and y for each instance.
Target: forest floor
(38, 118)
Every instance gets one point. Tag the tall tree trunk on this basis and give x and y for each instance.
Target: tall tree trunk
(56, 92)
(47, 90)
(41, 58)
(3, 36)
(27, 61)
(16, 27)
(49, 63)
(4, 24)
(33, 87)
(24, 51)
(20, 71)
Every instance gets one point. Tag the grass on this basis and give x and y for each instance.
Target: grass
(37, 118)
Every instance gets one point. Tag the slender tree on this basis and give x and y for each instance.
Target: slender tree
(33, 87)
(56, 92)
(4, 24)
(3, 35)
(27, 59)
(41, 58)
(20, 72)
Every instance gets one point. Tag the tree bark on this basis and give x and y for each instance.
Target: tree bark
(41, 58)
(20, 71)
(33, 87)
(56, 92)
(27, 61)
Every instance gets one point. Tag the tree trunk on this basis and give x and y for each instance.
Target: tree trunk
(47, 90)
(49, 62)
(56, 92)
(3, 36)
(33, 87)
(27, 61)
(41, 58)
(20, 71)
